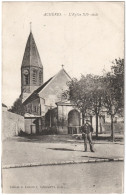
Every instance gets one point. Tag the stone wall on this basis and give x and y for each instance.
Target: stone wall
(12, 124)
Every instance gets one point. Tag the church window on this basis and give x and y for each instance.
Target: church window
(26, 109)
(26, 76)
(34, 78)
(26, 79)
(35, 109)
(40, 77)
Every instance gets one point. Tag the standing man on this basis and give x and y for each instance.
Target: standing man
(87, 130)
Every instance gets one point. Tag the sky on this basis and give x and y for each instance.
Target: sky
(83, 36)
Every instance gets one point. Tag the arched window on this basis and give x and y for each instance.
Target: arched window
(40, 77)
(26, 76)
(34, 78)
(26, 79)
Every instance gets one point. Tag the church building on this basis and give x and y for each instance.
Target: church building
(45, 107)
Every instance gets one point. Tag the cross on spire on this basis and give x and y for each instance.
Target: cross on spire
(62, 65)
(30, 26)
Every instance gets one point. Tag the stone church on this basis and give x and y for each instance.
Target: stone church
(45, 107)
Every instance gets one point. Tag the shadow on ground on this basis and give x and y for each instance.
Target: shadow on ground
(107, 138)
(97, 157)
(63, 149)
(63, 138)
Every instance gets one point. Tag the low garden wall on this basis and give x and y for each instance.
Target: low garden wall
(12, 124)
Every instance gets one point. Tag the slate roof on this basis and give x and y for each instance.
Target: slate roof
(31, 55)
(35, 93)
(3, 105)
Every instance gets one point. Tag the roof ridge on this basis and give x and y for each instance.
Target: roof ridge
(67, 74)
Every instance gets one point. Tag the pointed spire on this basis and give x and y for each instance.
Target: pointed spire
(31, 55)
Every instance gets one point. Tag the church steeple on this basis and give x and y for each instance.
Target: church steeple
(31, 55)
(31, 68)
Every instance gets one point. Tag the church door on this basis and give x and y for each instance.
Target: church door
(73, 122)
(36, 126)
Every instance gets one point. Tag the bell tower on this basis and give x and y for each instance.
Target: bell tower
(31, 68)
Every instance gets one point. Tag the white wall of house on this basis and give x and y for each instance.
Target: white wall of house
(52, 92)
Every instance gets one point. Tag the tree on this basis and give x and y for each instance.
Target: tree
(86, 93)
(118, 71)
(114, 90)
(18, 107)
(95, 94)
(77, 93)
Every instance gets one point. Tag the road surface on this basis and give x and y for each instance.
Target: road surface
(104, 177)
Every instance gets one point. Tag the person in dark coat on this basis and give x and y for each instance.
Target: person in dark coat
(87, 130)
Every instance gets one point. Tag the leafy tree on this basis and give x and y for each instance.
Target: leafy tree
(86, 93)
(18, 107)
(95, 94)
(114, 90)
(77, 93)
(118, 70)
(92, 93)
